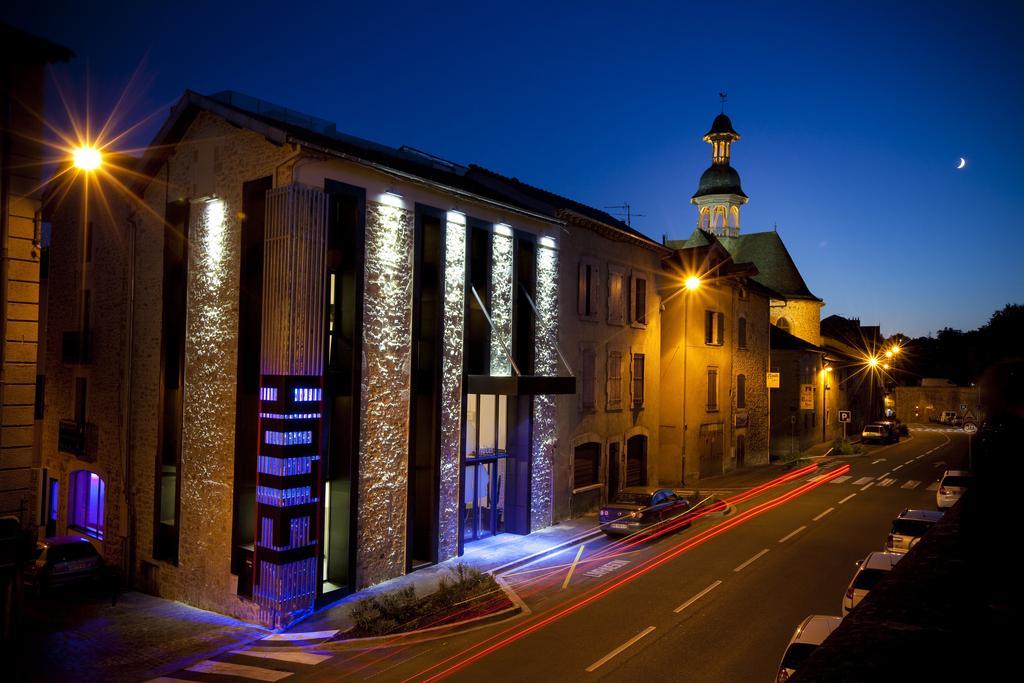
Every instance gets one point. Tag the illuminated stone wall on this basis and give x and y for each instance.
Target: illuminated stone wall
(384, 421)
(229, 157)
(501, 299)
(804, 318)
(451, 385)
(544, 408)
(753, 363)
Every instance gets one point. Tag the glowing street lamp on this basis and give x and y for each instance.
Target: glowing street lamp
(873, 361)
(692, 283)
(86, 158)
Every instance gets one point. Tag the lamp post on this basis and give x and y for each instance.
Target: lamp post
(690, 285)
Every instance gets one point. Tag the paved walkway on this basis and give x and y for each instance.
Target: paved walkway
(71, 637)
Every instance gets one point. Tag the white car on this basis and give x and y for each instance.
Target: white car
(908, 528)
(809, 635)
(951, 487)
(870, 571)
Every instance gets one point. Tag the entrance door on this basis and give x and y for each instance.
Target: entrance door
(613, 470)
(483, 505)
(711, 448)
(636, 461)
(741, 450)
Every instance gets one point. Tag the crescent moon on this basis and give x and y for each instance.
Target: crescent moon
(963, 162)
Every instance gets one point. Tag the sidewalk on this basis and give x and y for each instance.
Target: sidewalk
(496, 553)
(84, 638)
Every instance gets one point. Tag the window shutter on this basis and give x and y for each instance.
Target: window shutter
(721, 328)
(709, 324)
(581, 299)
(595, 289)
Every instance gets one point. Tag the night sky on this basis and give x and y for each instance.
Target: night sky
(852, 117)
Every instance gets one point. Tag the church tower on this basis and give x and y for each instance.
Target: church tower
(719, 195)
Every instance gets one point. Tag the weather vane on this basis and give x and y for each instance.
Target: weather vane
(724, 96)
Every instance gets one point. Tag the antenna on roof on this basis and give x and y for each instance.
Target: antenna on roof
(776, 228)
(625, 207)
(723, 96)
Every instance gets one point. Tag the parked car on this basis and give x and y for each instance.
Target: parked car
(894, 429)
(877, 433)
(908, 528)
(948, 417)
(951, 487)
(811, 633)
(638, 507)
(64, 560)
(870, 571)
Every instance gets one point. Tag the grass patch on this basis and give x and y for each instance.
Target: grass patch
(463, 593)
(844, 447)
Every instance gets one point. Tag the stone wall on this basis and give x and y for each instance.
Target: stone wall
(215, 157)
(924, 404)
(752, 362)
(804, 318)
(384, 422)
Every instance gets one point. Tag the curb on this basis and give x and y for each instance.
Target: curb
(569, 542)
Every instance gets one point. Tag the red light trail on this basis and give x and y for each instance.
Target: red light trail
(605, 588)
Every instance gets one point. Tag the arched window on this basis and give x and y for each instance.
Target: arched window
(741, 391)
(87, 503)
(741, 333)
(735, 216)
(705, 217)
(782, 324)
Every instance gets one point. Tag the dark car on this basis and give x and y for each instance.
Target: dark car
(64, 560)
(638, 507)
(894, 430)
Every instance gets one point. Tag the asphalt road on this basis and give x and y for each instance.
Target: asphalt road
(675, 608)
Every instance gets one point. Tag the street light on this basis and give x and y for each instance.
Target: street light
(86, 158)
(692, 283)
(873, 361)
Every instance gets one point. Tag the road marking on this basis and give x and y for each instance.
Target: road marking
(297, 656)
(240, 670)
(605, 568)
(897, 467)
(911, 460)
(847, 498)
(911, 484)
(867, 486)
(619, 650)
(751, 560)
(308, 635)
(840, 480)
(878, 461)
(933, 487)
(863, 480)
(698, 596)
(887, 482)
(883, 476)
(822, 514)
(816, 478)
(791, 534)
(572, 567)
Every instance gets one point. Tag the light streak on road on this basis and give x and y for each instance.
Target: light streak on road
(510, 635)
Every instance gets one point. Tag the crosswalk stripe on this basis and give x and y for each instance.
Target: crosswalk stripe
(911, 484)
(816, 478)
(308, 635)
(296, 656)
(241, 670)
(934, 487)
(887, 482)
(840, 480)
(862, 480)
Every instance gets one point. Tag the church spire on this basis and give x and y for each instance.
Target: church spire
(719, 195)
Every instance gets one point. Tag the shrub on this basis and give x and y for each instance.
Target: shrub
(844, 447)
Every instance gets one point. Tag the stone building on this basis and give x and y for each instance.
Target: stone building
(793, 309)
(714, 358)
(343, 361)
(23, 58)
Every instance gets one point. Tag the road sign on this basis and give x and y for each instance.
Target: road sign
(773, 380)
(970, 427)
(963, 407)
(806, 397)
(845, 415)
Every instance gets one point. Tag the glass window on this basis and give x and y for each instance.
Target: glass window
(86, 502)
(741, 333)
(714, 328)
(741, 391)
(640, 300)
(488, 431)
(588, 289)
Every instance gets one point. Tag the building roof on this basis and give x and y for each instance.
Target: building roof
(21, 47)
(776, 269)
(721, 125)
(784, 341)
(282, 125)
(719, 179)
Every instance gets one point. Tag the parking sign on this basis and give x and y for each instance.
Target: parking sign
(845, 415)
